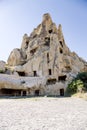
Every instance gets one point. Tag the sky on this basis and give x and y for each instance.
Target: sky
(18, 17)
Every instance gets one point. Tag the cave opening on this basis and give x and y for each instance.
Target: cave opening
(21, 73)
(51, 81)
(62, 78)
(37, 92)
(32, 52)
(35, 73)
(62, 92)
(50, 72)
(50, 31)
(47, 41)
(61, 43)
(10, 92)
(61, 51)
(48, 58)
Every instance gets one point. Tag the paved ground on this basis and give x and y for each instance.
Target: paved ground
(43, 114)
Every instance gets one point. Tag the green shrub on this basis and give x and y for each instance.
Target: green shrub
(78, 84)
(82, 76)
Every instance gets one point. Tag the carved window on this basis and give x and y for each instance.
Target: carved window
(33, 51)
(10, 92)
(51, 81)
(35, 73)
(26, 46)
(68, 68)
(50, 72)
(21, 73)
(61, 43)
(48, 60)
(62, 92)
(62, 78)
(37, 92)
(61, 51)
(47, 41)
(50, 31)
(24, 93)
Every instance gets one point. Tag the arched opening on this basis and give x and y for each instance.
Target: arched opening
(35, 73)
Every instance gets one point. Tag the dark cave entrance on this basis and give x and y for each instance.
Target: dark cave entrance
(62, 78)
(24, 93)
(51, 81)
(37, 92)
(35, 73)
(10, 92)
(62, 92)
(50, 72)
(21, 73)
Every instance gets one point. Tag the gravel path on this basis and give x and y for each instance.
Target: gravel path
(43, 114)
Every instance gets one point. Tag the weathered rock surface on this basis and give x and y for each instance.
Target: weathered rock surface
(8, 82)
(45, 54)
(2, 66)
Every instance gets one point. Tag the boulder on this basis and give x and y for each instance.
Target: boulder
(16, 58)
(2, 66)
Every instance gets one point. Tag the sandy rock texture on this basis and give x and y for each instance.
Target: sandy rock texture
(42, 54)
(43, 114)
(45, 49)
(2, 66)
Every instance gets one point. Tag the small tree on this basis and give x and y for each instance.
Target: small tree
(78, 84)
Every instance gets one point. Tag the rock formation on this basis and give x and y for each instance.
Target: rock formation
(2, 66)
(43, 56)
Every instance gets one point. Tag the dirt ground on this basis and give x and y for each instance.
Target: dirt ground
(43, 114)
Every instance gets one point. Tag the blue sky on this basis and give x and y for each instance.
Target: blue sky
(22, 16)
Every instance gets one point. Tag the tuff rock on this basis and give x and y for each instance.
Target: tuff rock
(43, 56)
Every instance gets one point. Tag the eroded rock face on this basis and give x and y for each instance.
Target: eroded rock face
(2, 66)
(45, 54)
(17, 57)
(21, 86)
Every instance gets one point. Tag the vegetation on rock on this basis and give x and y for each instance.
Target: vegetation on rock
(78, 84)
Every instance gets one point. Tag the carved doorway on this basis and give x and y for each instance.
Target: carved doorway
(62, 92)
